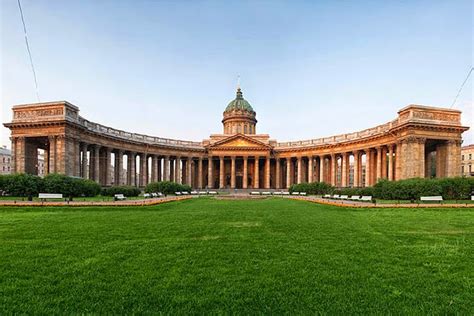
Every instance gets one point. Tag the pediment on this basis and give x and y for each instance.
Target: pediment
(239, 141)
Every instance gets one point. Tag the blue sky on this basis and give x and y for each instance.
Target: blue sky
(309, 68)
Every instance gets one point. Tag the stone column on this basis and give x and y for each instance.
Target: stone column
(288, 172)
(131, 169)
(159, 170)
(256, 175)
(189, 175)
(267, 173)
(321, 169)
(384, 163)
(221, 172)
(166, 168)
(118, 167)
(345, 167)
(232, 172)
(310, 169)
(177, 170)
(97, 163)
(46, 162)
(108, 166)
(210, 182)
(398, 161)
(52, 153)
(413, 157)
(368, 168)
(390, 162)
(13, 163)
(84, 161)
(453, 158)
(77, 158)
(200, 171)
(278, 174)
(245, 176)
(379, 164)
(356, 169)
(300, 170)
(333, 169)
(143, 170)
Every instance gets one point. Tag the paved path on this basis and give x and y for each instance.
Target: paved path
(143, 202)
(356, 204)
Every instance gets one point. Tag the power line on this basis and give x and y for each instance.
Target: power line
(462, 86)
(29, 51)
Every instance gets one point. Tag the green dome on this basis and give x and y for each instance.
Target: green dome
(239, 103)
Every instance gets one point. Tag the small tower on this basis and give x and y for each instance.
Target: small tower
(239, 116)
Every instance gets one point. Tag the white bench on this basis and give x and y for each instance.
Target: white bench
(147, 195)
(254, 193)
(119, 197)
(50, 196)
(277, 193)
(184, 193)
(327, 196)
(295, 193)
(213, 192)
(302, 193)
(335, 196)
(344, 197)
(177, 193)
(194, 192)
(472, 197)
(354, 198)
(202, 192)
(266, 193)
(434, 198)
(366, 198)
(285, 193)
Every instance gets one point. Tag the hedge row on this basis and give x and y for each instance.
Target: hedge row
(26, 184)
(410, 189)
(166, 187)
(124, 189)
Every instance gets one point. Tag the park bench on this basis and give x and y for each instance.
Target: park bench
(295, 193)
(213, 192)
(278, 193)
(147, 195)
(44, 196)
(472, 197)
(336, 196)
(355, 198)
(177, 193)
(119, 197)
(266, 193)
(285, 193)
(434, 198)
(194, 193)
(254, 193)
(202, 192)
(343, 197)
(302, 193)
(184, 193)
(327, 196)
(366, 198)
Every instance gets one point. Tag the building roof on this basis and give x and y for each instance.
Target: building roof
(5, 151)
(239, 103)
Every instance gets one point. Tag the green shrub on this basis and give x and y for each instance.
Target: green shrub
(314, 188)
(20, 184)
(27, 184)
(124, 189)
(166, 187)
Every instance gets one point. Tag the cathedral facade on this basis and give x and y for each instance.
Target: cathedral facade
(422, 141)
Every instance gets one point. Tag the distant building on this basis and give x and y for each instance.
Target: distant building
(467, 161)
(5, 160)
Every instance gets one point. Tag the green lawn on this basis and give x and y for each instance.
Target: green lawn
(210, 256)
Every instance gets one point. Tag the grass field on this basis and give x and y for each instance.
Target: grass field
(246, 256)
